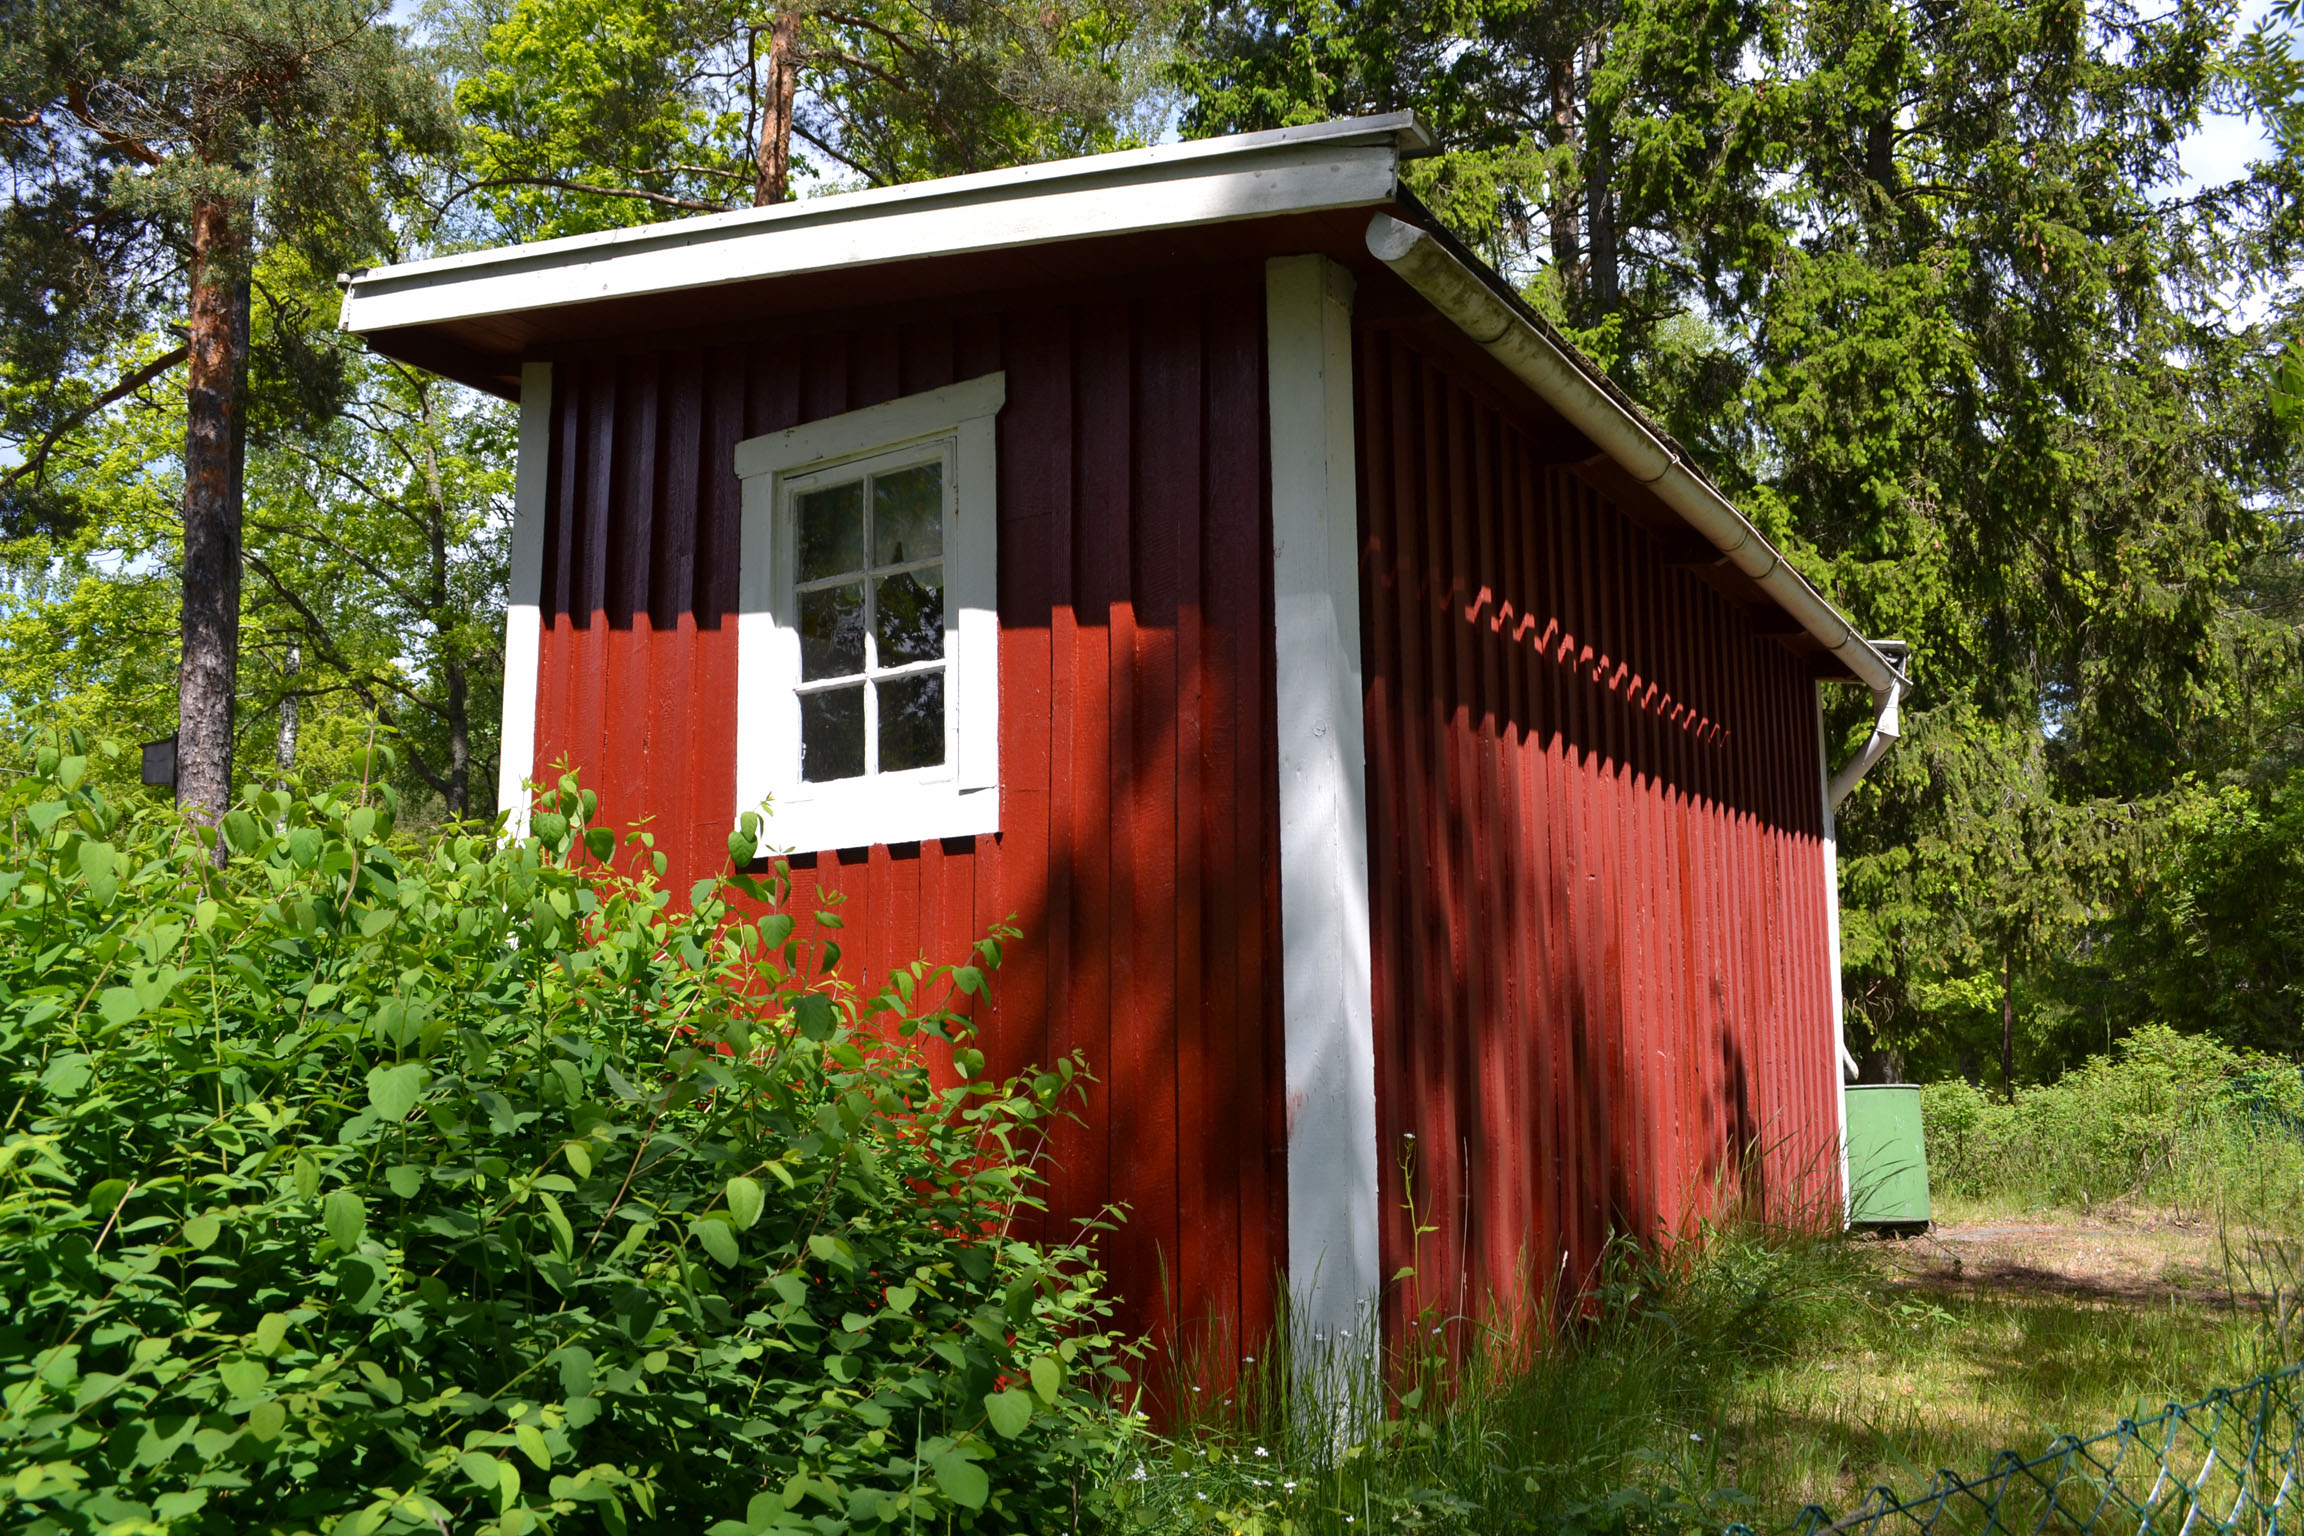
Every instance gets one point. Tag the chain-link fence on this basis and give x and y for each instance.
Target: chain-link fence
(2223, 1466)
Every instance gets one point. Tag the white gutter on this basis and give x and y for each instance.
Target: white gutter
(1545, 366)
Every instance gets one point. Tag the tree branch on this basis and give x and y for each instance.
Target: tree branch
(562, 184)
(76, 98)
(37, 459)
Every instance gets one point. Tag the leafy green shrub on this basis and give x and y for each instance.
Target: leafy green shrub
(2166, 1116)
(355, 1186)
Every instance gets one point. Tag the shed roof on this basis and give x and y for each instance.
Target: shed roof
(476, 315)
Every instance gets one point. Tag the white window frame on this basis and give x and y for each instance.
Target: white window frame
(959, 797)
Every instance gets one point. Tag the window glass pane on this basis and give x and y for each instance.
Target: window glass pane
(832, 530)
(912, 722)
(832, 632)
(911, 626)
(832, 735)
(908, 515)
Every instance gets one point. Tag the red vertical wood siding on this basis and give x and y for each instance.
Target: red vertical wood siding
(1594, 828)
(1597, 891)
(1138, 847)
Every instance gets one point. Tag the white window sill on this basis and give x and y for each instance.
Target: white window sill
(860, 815)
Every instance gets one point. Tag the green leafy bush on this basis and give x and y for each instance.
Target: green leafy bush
(2179, 1118)
(355, 1185)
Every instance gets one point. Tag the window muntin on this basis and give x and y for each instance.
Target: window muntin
(869, 594)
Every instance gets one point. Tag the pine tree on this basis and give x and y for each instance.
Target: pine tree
(154, 149)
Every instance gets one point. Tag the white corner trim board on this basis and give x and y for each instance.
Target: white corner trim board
(523, 610)
(959, 797)
(1334, 1270)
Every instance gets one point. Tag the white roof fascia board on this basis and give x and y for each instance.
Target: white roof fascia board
(1172, 186)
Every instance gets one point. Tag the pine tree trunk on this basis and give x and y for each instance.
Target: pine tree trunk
(1600, 219)
(1567, 221)
(214, 444)
(773, 181)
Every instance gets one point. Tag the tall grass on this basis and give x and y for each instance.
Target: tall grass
(1756, 1368)
(1601, 1423)
(2176, 1121)
(1753, 1371)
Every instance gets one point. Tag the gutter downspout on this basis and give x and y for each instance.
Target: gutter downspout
(1836, 788)
(1461, 294)
(1885, 730)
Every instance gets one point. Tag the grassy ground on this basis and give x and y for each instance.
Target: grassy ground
(1769, 1372)
(1996, 1331)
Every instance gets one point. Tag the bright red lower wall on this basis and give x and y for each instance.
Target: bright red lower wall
(1600, 956)
(1138, 845)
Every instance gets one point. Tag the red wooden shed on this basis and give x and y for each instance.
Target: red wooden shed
(1405, 768)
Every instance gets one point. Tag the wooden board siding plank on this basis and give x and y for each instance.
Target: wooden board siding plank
(711, 762)
(556, 659)
(585, 728)
(667, 797)
(1017, 879)
(1163, 364)
(1424, 854)
(1233, 622)
(1173, 421)
(1099, 446)
(622, 770)
(1533, 934)
(1501, 1211)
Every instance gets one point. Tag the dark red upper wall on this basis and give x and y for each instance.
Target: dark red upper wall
(1138, 846)
(1600, 962)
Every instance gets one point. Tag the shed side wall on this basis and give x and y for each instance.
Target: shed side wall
(1138, 845)
(1598, 905)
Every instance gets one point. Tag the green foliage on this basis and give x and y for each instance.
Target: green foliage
(591, 114)
(118, 118)
(1923, 289)
(358, 1185)
(2169, 1118)
(2216, 937)
(375, 543)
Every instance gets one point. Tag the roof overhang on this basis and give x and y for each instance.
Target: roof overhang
(474, 315)
(1348, 164)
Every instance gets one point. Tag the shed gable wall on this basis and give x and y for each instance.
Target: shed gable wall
(1597, 879)
(1138, 844)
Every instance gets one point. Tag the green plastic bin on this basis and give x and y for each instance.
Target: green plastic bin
(1887, 1157)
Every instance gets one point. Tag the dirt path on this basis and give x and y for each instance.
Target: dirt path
(2119, 1257)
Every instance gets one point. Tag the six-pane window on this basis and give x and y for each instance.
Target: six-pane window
(868, 636)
